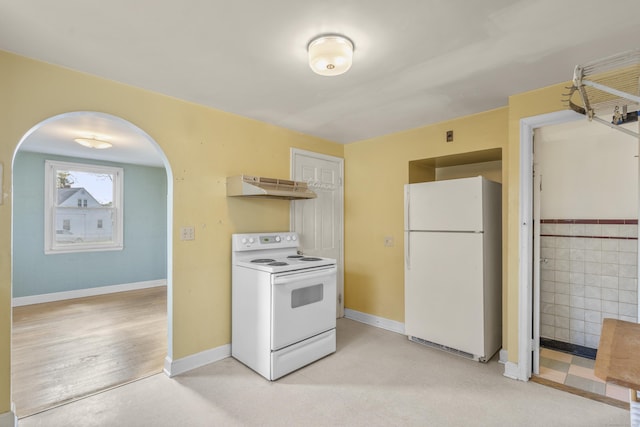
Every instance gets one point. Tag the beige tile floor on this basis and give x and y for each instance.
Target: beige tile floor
(375, 378)
(576, 371)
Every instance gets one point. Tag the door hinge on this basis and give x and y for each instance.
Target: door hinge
(339, 298)
(532, 345)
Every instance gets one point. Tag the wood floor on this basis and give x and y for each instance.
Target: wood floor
(65, 350)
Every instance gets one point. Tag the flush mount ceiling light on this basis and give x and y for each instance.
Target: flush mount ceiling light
(93, 143)
(330, 55)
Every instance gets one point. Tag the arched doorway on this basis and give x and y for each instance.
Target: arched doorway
(80, 267)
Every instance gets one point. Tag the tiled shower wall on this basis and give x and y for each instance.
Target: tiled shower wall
(588, 272)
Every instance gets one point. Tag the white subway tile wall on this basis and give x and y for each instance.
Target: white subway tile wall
(588, 273)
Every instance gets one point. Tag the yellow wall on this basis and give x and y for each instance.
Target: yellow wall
(202, 145)
(375, 173)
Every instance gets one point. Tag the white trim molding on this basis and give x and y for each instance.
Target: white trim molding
(89, 292)
(8, 419)
(378, 322)
(522, 370)
(503, 356)
(180, 366)
(512, 370)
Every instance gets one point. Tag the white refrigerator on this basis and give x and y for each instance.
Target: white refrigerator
(453, 265)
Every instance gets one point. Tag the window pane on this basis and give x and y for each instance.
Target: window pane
(84, 199)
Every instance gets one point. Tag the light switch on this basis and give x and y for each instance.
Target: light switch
(388, 241)
(187, 233)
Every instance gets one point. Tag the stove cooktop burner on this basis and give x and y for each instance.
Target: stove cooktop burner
(294, 256)
(262, 260)
(310, 258)
(277, 263)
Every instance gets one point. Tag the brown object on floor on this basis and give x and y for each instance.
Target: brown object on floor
(66, 350)
(617, 359)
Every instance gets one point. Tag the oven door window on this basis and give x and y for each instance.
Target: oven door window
(303, 305)
(305, 296)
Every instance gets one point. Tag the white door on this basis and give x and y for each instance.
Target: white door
(319, 221)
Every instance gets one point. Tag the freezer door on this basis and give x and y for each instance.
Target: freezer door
(444, 290)
(452, 205)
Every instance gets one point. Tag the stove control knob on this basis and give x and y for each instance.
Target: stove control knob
(278, 238)
(244, 240)
(288, 238)
(251, 240)
(294, 238)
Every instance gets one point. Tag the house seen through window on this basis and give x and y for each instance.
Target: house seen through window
(84, 207)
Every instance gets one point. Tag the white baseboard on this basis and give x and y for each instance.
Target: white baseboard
(8, 419)
(89, 292)
(513, 371)
(503, 356)
(180, 366)
(378, 322)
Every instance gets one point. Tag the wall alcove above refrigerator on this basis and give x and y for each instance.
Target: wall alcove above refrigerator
(486, 163)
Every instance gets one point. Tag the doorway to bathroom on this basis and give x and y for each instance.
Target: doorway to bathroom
(585, 190)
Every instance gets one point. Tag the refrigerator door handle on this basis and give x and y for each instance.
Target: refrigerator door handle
(407, 251)
(407, 198)
(407, 226)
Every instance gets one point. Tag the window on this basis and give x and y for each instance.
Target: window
(78, 196)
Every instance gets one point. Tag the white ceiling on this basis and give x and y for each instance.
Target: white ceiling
(416, 62)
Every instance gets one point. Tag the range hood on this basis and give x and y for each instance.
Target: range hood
(256, 186)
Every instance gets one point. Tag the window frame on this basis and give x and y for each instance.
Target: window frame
(50, 204)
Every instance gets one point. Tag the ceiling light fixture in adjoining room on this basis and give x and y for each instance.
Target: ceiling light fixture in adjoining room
(330, 55)
(93, 143)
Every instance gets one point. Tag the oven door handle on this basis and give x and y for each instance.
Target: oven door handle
(307, 275)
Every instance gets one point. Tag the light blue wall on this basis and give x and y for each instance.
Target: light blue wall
(143, 258)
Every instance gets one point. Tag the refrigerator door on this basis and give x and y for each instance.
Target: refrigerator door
(452, 205)
(444, 289)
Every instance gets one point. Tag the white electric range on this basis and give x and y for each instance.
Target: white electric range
(283, 304)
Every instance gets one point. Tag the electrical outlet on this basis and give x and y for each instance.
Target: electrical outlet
(388, 241)
(188, 233)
